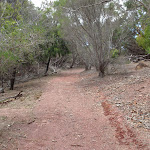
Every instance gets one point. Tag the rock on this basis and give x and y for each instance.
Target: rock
(141, 65)
(119, 104)
(1, 90)
(147, 124)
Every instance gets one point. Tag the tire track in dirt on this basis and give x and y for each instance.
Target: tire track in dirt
(124, 134)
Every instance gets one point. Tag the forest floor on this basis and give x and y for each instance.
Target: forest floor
(76, 110)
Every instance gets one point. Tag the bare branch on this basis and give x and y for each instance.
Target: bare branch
(12, 97)
(144, 5)
(91, 5)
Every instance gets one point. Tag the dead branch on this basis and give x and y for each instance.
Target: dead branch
(144, 5)
(12, 97)
(136, 58)
(72, 10)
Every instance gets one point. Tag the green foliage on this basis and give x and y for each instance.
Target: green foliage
(7, 61)
(117, 34)
(8, 55)
(129, 5)
(10, 12)
(8, 58)
(58, 13)
(57, 47)
(114, 53)
(143, 39)
(60, 3)
(28, 35)
(18, 39)
(111, 6)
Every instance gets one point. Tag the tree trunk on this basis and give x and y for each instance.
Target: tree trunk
(12, 80)
(47, 65)
(2, 86)
(101, 70)
(87, 67)
(101, 74)
(2, 82)
(73, 61)
(62, 61)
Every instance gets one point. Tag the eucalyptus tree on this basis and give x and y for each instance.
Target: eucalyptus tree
(143, 3)
(9, 26)
(140, 28)
(91, 23)
(20, 34)
(143, 37)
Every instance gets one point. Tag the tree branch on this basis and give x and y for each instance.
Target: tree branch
(14, 97)
(105, 1)
(144, 5)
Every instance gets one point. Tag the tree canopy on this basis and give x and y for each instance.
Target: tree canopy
(94, 31)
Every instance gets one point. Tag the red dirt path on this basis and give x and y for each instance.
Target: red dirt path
(67, 119)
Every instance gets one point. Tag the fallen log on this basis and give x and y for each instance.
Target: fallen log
(137, 58)
(12, 97)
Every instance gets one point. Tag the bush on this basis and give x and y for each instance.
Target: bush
(114, 53)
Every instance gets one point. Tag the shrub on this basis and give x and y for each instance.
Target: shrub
(114, 53)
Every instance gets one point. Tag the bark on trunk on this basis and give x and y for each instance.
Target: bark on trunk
(2, 82)
(73, 61)
(47, 65)
(12, 80)
(2, 89)
(101, 74)
(102, 70)
(87, 67)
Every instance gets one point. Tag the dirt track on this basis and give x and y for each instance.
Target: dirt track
(68, 118)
